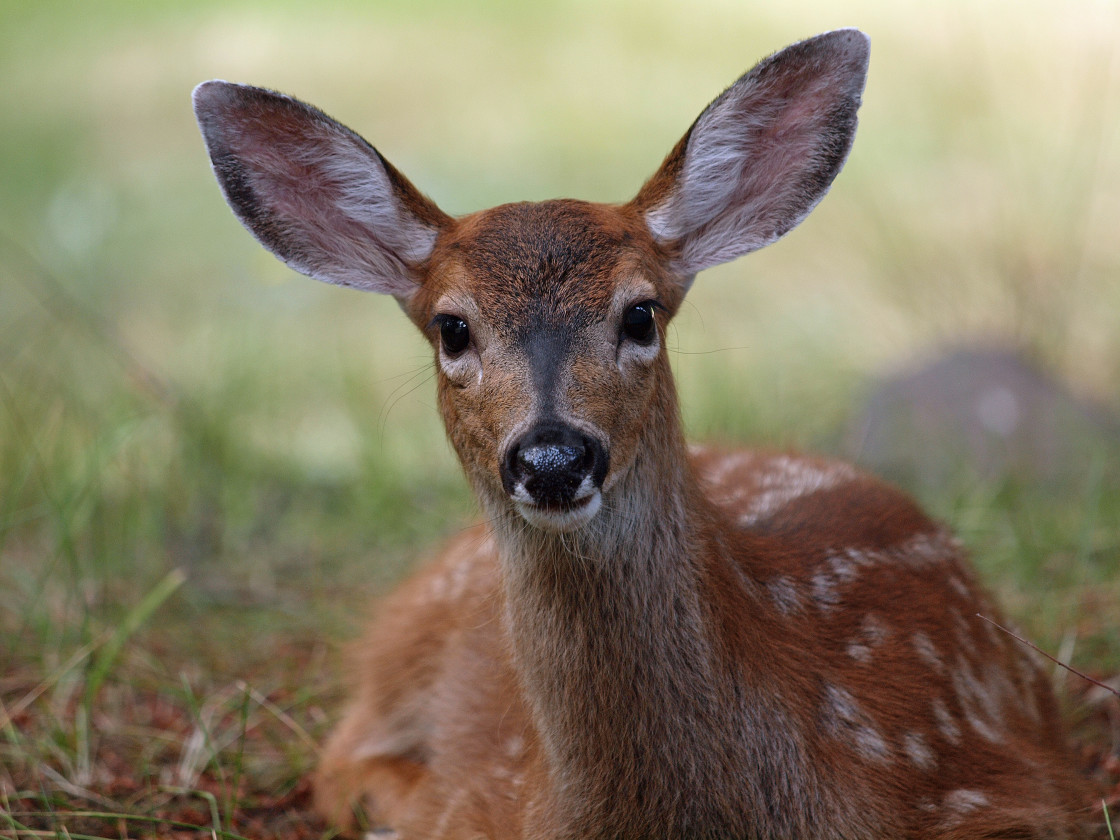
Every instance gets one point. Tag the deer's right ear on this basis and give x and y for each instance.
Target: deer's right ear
(761, 156)
(313, 192)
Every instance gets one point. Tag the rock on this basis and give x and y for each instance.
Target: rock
(984, 412)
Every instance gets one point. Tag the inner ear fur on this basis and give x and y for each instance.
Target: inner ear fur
(761, 156)
(315, 193)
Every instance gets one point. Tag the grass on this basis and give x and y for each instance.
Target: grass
(209, 466)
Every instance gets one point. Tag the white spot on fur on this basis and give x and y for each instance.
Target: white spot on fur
(787, 479)
(925, 550)
(927, 651)
(839, 570)
(915, 746)
(785, 595)
(958, 804)
(844, 566)
(965, 801)
(824, 591)
(874, 629)
(946, 724)
(859, 652)
(960, 587)
(931, 549)
(963, 631)
(872, 633)
(844, 719)
(980, 699)
(728, 465)
(871, 745)
(514, 746)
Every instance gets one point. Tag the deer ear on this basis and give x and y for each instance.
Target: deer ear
(313, 192)
(761, 156)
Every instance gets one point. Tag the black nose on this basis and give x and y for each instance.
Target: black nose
(551, 461)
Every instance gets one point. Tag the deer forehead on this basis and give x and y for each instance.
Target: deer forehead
(522, 268)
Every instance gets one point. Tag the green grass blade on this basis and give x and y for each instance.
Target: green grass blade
(103, 662)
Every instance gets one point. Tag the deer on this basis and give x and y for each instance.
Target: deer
(644, 639)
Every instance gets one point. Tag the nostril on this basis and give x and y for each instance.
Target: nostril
(591, 457)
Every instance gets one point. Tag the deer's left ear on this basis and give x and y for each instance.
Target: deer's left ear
(761, 156)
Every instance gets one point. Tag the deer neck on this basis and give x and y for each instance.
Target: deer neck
(613, 641)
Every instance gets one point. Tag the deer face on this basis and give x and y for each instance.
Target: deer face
(547, 322)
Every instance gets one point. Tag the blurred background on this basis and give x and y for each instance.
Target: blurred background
(209, 464)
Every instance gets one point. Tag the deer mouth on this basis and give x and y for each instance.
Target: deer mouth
(559, 515)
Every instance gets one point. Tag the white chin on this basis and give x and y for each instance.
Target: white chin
(568, 519)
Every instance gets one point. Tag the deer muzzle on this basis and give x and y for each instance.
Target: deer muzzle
(554, 475)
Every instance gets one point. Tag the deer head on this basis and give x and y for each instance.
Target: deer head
(547, 319)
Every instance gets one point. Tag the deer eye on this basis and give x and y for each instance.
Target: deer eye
(638, 324)
(454, 334)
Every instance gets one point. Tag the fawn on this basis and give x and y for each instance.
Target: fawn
(645, 640)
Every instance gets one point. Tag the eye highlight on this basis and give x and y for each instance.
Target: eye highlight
(454, 334)
(638, 323)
